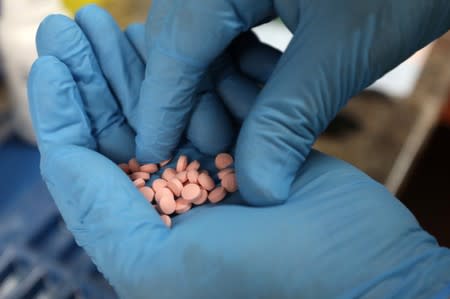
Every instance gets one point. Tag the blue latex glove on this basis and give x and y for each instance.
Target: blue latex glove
(109, 87)
(339, 48)
(340, 234)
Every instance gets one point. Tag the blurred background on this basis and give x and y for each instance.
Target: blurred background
(397, 131)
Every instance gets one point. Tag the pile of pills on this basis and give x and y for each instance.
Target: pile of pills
(179, 188)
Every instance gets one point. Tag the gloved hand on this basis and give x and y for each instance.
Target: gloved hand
(340, 234)
(339, 48)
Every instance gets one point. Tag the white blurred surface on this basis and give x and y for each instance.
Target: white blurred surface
(19, 22)
(398, 83)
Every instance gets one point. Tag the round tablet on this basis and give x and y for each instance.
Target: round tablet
(140, 175)
(191, 192)
(217, 195)
(168, 174)
(124, 167)
(166, 220)
(182, 206)
(167, 204)
(192, 176)
(159, 184)
(223, 160)
(182, 176)
(164, 163)
(204, 171)
(133, 164)
(206, 181)
(175, 186)
(194, 165)
(229, 182)
(156, 206)
(163, 192)
(148, 193)
(150, 168)
(223, 172)
(139, 183)
(203, 197)
(181, 163)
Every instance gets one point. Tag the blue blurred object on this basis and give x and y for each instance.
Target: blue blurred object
(339, 235)
(38, 256)
(338, 49)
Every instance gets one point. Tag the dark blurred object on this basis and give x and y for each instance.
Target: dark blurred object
(343, 125)
(38, 255)
(400, 143)
(446, 113)
(426, 192)
(384, 136)
(5, 113)
(369, 133)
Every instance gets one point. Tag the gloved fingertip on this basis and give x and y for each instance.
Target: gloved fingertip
(210, 128)
(107, 143)
(55, 105)
(39, 64)
(238, 93)
(93, 13)
(86, 9)
(51, 29)
(260, 188)
(135, 28)
(165, 105)
(264, 172)
(149, 154)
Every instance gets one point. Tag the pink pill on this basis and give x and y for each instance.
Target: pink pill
(140, 175)
(168, 174)
(139, 183)
(203, 171)
(203, 197)
(156, 206)
(223, 172)
(192, 176)
(150, 168)
(165, 162)
(194, 165)
(206, 181)
(163, 192)
(166, 220)
(175, 186)
(148, 193)
(182, 176)
(167, 204)
(223, 160)
(182, 206)
(134, 166)
(182, 163)
(217, 195)
(229, 182)
(124, 167)
(191, 192)
(158, 184)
